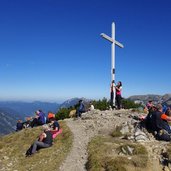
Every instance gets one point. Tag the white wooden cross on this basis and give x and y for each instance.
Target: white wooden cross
(113, 41)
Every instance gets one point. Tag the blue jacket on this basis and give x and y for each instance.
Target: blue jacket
(42, 118)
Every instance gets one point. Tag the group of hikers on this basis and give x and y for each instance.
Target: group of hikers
(39, 119)
(157, 121)
(50, 126)
(45, 139)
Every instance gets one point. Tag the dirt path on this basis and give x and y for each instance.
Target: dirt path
(77, 158)
(97, 122)
(83, 130)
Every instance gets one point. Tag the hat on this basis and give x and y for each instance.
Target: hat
(51, 115)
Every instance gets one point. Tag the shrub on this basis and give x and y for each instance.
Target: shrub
(62, 114)
(101, 104)
(128, 104)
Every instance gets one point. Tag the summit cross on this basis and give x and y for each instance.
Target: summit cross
(114, 42)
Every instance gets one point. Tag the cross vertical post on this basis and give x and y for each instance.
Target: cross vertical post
(113, 41)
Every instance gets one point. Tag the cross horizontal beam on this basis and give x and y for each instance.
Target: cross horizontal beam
(119, 44)
(106, 37)
(111, 40)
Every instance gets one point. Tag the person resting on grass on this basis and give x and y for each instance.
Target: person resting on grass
(55, 127)
(44, 141)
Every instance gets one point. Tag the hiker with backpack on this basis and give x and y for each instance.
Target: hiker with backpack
(160, 125)
(44, 141)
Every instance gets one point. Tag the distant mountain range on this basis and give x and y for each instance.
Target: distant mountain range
(72, 102)
(7, 121)
(11, 111)
(165, 99)
(27, 109)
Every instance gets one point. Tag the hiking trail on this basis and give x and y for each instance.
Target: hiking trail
(101, 123)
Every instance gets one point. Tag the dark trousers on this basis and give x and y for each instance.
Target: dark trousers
(35, 122)
(118, 101)
(39, 144)
(79, 112)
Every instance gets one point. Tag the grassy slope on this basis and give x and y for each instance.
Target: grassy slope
(14, 146)
(104, 155)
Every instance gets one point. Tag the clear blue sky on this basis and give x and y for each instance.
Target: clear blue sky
(51, 50)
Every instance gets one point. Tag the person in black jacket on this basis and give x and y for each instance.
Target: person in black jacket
(19, 125)
(44, 141)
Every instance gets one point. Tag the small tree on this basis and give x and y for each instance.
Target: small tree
(101, 104)
(128, 104)
(62, 114)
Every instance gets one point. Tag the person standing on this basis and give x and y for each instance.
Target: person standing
(118, 96)
(80, 109)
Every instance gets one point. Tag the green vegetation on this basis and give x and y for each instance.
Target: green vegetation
(109, 154)
(101, 104)
(62, 114)
(128, 104)
(14, 146)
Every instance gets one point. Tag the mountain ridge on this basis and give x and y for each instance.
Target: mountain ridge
(163, 99)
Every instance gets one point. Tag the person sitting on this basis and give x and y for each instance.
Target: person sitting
(27, 122)
(39, 119)
(50, 116)
(160, 121)
(81, 109)
(91, 107)
(19, 125)
(44, 141)
(149, 105)
(55, 127)
(150, 120)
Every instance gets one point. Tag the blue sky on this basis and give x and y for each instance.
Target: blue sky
(51, 50)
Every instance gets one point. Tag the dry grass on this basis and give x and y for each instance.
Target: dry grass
(117, 132)
(105, 154)
(14, 146)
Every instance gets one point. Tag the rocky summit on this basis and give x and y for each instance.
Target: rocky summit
(103, 123)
